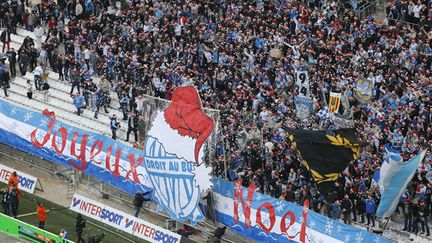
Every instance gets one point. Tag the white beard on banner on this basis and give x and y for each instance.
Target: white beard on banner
(173, 154)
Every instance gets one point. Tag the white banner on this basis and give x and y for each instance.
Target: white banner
(26, 182)
(302, 81)
(122, 221)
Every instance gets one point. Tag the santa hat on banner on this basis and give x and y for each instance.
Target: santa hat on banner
(183, 125)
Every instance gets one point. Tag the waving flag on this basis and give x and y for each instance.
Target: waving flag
(334, 102)
(393, 179)
(325, 153)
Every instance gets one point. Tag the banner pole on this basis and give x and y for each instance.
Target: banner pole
(386, 223)
(224, 158)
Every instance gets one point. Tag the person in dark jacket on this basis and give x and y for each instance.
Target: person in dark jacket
(5, 81)
(132, 126)
(80, 225)
(101, 101)
(407, 213)
(415, 216)
(139, 200)
(14, 201)
(5, 197)
(5, 39)
(218, 234)
(115, 125)
(347, 206)
(424, 213)
(290, 195)
(12, 61)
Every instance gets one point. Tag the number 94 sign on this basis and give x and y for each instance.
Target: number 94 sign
(302, 81)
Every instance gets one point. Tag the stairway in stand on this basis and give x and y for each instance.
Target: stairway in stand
(60, 101)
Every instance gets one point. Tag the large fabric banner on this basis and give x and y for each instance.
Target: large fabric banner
(266, 219)
(325, 154)
(392, 179)
(123, 221)
(168, 166)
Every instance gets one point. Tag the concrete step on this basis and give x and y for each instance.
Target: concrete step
(86, 116)
(58, 90)
(19, 97)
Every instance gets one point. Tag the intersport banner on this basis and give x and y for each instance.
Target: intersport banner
(26, 182)
(123, 221)
(266, 219)
(170, 166)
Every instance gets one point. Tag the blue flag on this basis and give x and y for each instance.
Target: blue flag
(394, 176)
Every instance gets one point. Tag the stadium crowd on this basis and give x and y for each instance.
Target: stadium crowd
(242, 57)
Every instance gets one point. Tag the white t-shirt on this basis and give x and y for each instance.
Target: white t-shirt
(86, 54)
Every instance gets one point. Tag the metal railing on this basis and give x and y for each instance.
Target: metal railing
(366, 9)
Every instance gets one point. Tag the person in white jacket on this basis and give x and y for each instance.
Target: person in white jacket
(38, 32)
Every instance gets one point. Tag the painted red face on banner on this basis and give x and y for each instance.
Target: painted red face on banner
(185, 114)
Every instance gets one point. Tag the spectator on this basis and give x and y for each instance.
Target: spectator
(424, 213)
(80, 225)
(79, 102)
(5, 39)
(29, 90)
(218, 234)
(38, 72)
(13, 180)
(114, 126)
(5, 197)
(41, 212)
(45, 90)
(5, 81)
(415, 216)
(64, 234)
(132, 126)
(14, 201)
(347, 206)
(407, 213)
(12, 61)
(139, 200)
(370, 210)
(335, 210)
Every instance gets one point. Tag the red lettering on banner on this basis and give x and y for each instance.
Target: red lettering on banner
(99, 145)
(303, 225)
(96, 149)
(63, 134)
(238, 189)
(147, 231)
(116, 163)
(94, 209)
(33, 138)
(84, 206)
(133, 167)
(284, 227)
(98, 211)
(5, 174)
(272, 216)
(82, 154)
(152, 232)
(238, 193)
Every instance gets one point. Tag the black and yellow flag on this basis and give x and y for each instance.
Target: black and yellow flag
(325, 153)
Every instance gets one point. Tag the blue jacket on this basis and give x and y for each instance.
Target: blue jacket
(336, 211)
(79, 101)
(370, 206)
